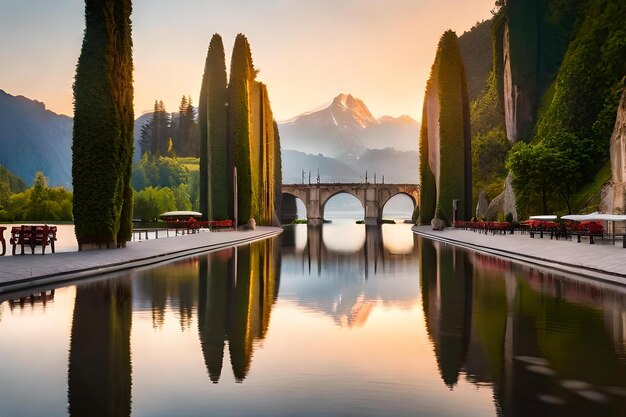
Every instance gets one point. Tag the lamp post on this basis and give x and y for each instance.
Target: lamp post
(235, 196)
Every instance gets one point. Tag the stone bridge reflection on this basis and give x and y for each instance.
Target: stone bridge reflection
(377, 267)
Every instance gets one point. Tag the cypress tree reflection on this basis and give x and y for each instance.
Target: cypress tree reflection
(539, 339)
(237, 291)
(447, 285)
(99, 375)
(216, 280)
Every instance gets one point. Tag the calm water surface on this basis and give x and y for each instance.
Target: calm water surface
(346, 321)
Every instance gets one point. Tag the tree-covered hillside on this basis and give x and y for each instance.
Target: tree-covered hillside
(35, 139)
(556, 77)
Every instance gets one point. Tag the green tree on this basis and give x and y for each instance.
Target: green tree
(242, 76)
(124, 98)
(278, 175)
(446, 96)
(215, 146)
(39, 195)
(542, 176)
(103, 126)
(428, 187)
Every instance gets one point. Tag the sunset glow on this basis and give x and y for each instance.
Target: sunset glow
(378, 51)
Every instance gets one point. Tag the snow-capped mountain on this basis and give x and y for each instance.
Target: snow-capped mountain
(347, 126)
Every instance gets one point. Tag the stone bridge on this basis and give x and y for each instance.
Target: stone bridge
(373, 198)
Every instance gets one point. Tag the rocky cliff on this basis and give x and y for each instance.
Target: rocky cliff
(614, 194)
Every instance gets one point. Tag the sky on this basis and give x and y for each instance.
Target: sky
(307, 51)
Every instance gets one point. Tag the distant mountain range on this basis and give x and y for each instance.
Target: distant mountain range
(347, 126)
(344, 140)
(35, 139)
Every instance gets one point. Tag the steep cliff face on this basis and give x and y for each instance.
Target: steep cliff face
(615, 197)
(534, 38)
(518, 97)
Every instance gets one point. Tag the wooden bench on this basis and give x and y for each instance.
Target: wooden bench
(33, 236)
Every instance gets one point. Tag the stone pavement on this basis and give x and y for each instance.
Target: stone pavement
(20, 272)
(603, 260)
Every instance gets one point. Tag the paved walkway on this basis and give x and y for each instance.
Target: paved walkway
(20, 272)
(602, 261)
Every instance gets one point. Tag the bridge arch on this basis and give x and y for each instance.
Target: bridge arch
(289, 207)
(395, 197)
(330, 196)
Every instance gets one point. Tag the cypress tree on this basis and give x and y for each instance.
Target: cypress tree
(215, 160)
(102, 133)
(267, 177)
(455, 176)
(242, 75)
(256, 151)
(124, 99)
(428, 188)
(445, 143)
(277, 175)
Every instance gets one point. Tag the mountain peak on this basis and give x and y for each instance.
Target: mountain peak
(347, 110)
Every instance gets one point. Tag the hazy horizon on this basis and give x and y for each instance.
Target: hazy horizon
(307, 53)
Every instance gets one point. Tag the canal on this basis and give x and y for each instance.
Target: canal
(341, 320)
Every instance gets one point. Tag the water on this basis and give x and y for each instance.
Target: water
(346, 321)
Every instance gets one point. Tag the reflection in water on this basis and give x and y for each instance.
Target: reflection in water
(237, 291)
(384, 326)
(99, 375)
(232, 290)
(34, 301)
(548, 345)
(348, 284)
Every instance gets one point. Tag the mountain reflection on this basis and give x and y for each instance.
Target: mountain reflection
(548, 345)
(347, 284)
(99, 375)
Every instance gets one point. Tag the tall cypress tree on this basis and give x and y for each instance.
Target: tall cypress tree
(215, 161)
(124, 99)
(445, 145)
(428, 187)
(242, 75)
(103, 131)
(267, 174)
(278, 176)
(455, 176)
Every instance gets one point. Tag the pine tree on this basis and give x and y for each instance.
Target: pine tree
(193, 133)
(215, 149)
(181, 130)
(242, 76)
(161, 124)
(103, 126)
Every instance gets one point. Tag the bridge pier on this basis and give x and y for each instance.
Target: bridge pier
(372, 208)
(313, 207)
